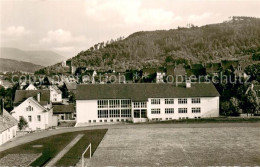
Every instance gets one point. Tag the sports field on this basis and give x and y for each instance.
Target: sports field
(205, 145)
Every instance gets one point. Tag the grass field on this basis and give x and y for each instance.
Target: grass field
(52, 145)
(156, 145)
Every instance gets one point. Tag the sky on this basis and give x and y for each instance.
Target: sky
(70, 26)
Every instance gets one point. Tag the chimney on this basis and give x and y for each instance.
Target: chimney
(38, 96)
(188, 84)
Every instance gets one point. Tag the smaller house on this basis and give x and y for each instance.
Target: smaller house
(38, 116)
(179, 70)
(55, 94)
(6, 84)
(31, 87)
(240, 70)
(70, 86)
(8, 126)
(64, 112)
(160, 74)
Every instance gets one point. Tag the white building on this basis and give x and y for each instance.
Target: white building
(31, 87)
(8, 127)
(55, 94)
(145, 102)
(36, 108)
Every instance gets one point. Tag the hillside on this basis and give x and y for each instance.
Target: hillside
(237, 38)
(13, 65)
(43, 58)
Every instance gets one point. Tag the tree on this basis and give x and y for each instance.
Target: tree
(251, 102)
(234, 105)
(225, 108)
(22, 123)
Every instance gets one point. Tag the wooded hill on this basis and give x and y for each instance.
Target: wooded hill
(237, 38)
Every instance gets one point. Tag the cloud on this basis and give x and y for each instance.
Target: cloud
(129, 13)
(61, 36)
(197, 18)
(14, 32)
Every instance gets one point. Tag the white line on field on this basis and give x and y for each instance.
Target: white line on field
(186, 154)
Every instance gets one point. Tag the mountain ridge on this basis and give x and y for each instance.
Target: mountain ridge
(14, 65)
(238, 38)
(38, 57)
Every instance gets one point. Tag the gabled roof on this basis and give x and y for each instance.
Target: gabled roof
(56, 89)
(71, 85)
(141, 92)
(58, 109)
(22, 95)
(179, 70)
(7, 121)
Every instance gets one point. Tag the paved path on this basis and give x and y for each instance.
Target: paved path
(64, 151)
(35, 136)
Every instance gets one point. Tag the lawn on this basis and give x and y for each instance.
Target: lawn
(52, 145)
(166, 145)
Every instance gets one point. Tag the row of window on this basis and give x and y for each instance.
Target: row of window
(171, 110)
(171, 101)
(114, 103)
(30, 118)
(127, 103)
(114, 113)
(140, 105)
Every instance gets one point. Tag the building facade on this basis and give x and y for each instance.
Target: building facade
(8, 127)
(145, 102)
(37, 116)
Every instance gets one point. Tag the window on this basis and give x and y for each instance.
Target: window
(169, 101)
(182, 101)
(126, 113)
(143, 105)
(155, 101)
(125, 103)
(29, 118)
(137, 113)
(195, 100)
(89, 121)
(155, 111)
(29, 108)
(114, 113)
(102, 113)
(38, 118)
(136, 105)
(195, 110)
(140, 105)
(169, 110)
(143, 113)
(182, 110)
(114, 103)
(102, 103)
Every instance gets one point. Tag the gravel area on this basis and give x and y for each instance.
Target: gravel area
(18, 159)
